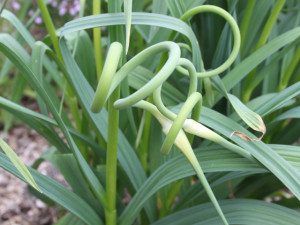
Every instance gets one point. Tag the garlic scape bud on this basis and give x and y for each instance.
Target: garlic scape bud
(182, 142)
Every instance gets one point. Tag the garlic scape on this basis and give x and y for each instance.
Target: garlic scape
(175, 126)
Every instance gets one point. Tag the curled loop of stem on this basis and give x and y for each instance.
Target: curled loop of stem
(236, 36)
(115, 78)
(110, 79)
(173, 124)
(177, 124)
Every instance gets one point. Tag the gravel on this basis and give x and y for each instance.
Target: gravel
(17, 206)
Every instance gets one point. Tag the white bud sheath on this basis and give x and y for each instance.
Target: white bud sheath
(193, 127)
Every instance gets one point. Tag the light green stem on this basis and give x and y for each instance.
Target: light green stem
(50, 27)
(111, 159)
(198, 129)
(236, 36)
(110, 67)
(183, 144)
(108, 88)
(194, 162)
(97, 39)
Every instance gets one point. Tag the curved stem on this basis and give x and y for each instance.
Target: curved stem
(194, 162)
(198, 129)
(110, 67)
(183, 144)
(236, 36)
(180, 119)
(172, 124)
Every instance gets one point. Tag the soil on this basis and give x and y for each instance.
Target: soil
(17, 206)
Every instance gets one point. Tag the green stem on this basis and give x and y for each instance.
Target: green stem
(145, 140)
(183, 144)
(110, 67)
(111, 159)
(236, 36)
(113, 118)
(194, 162)
(50, 27)
(172, 193)
(269, 25)
(97, 39)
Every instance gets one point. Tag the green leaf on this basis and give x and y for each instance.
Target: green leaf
(18, 164)
(17, 93)
(211, 159)
(137, 18)
(69, 219)
(51, 68)
(292, 113)
(196, 194)
(127, 12)
(68, 166)
(251, 118)
(249, 63)
(282, 169)
(280, 99)
(237, 211)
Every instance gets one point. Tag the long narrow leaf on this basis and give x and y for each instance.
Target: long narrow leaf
(237, 211)
(241, 70)
(269, 158)
(18, 164)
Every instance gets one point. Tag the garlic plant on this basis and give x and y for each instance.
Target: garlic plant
(112, 164)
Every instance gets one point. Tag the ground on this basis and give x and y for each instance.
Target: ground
(17, 206)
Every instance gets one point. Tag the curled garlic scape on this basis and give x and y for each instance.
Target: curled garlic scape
(174, 126)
